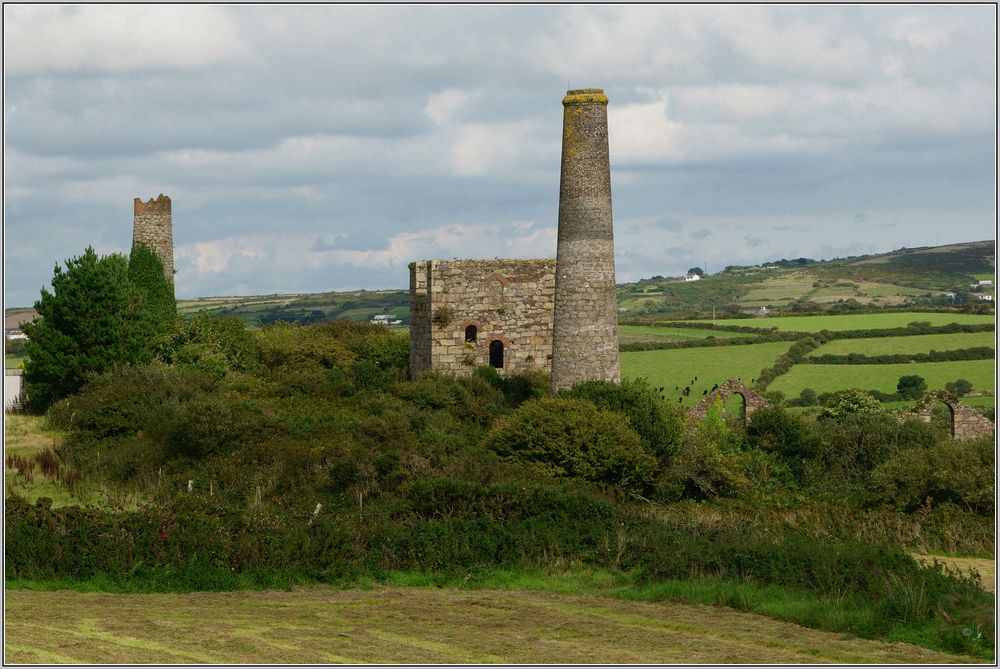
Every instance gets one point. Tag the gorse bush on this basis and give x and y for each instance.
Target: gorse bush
(658, 423)
(574, 438)
(774, 430)
(952, 471)
(211, 344)
(121, 402)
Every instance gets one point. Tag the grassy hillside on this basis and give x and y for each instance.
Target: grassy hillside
(713, 365)
(867, 321)
(359, 305)
(916, 277)
(829, 378)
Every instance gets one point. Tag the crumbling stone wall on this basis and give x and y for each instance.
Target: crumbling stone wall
(153, 227)
(585, 336)
(509, 301)
(966, 423)
(751, 399)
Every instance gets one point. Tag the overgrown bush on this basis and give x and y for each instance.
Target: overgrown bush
(121, 402)
(211, 344)
(658, 423)
(571, 437)
(953, 471)
(774, 430)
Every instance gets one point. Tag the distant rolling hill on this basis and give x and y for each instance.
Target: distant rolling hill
(919, 277)
(938, 276)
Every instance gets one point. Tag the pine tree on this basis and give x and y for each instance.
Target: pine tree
(90, 322)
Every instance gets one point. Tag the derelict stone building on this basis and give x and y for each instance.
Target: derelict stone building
(468, 313)
(557, 315)
(153, 227)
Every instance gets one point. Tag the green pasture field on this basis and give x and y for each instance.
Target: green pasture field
(842, 322)
(712, 365)
(984, 276)
(633, 333)
(782, 288)
(12, 361)
(977, 401)
(831, 378)
(911, 344)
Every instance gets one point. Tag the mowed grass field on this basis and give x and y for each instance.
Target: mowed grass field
(830, 378)
(853, 321)
(911, 344)
(413, 625)
(712, 365)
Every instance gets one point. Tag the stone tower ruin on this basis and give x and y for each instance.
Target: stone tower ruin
(153, 227)
(585, 325)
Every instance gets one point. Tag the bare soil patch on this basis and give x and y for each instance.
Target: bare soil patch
(413, 625)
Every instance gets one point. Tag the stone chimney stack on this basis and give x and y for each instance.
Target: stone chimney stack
(585, 327)
(153, 227)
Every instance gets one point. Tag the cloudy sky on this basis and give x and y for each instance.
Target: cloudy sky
(317, 148)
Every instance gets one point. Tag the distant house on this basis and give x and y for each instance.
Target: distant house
(982, 284)
(14, 334)
(385, 319)
(985, 298)
(949, 294)
(692, 277)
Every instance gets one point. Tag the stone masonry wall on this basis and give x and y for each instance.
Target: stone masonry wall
(153, 227)
(966, 423)
(585, 335)
(510, 301)
(751, 400)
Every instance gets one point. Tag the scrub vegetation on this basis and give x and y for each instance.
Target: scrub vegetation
(292, 455)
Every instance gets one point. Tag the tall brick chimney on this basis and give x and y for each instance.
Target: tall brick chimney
(153, 227)
(585, 327)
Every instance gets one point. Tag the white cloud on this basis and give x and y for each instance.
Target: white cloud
(480, 148)
(117, 38)
(444, 106)
(642, 133)
(922, 31)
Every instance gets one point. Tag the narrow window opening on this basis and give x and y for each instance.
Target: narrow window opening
(470, 334)
(496, 354)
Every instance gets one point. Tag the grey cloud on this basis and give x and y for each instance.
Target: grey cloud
(754, 242)
(313, 125)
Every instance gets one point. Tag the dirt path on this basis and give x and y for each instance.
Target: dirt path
(413, 625)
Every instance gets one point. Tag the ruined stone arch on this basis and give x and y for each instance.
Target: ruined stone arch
(966, 423)
(752, 400)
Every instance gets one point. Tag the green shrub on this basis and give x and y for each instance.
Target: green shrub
(205, 426)
(911, 387)
(516, 388)
(121, 401)
(658, 423)
(704, 466)
(953, 471)
(852, 445)
(212, 344)
(774, 430)
(852, 402)
(574, 438)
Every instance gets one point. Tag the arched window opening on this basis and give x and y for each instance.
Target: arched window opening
(496, 354)
(470, 334)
